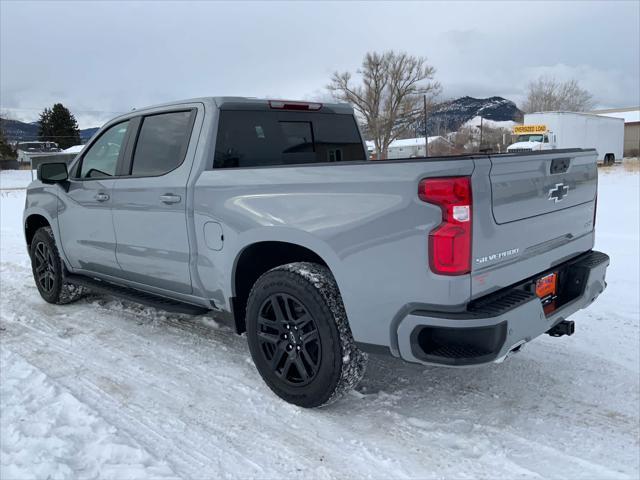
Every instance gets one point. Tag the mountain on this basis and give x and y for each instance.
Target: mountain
(450, 116)
(87, 133)
(16, 131)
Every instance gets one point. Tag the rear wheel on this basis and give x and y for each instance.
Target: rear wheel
(299, 337)
(47, 268)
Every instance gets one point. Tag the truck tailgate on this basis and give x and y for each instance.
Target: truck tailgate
(532, 211)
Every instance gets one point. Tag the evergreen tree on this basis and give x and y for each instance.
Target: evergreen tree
(44, 126)
(59, 125)
(6, 150)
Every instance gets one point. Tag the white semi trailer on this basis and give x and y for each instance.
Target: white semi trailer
(551, 130)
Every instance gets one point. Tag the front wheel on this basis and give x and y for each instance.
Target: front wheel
(47, 268)
(299, 337)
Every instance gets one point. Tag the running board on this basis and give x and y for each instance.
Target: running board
(137, 296)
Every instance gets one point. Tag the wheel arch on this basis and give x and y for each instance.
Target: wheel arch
(258, 258)
(32, 223)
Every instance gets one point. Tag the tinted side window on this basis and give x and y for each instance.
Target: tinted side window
(162, 143)
(101, 159)
(263, 138)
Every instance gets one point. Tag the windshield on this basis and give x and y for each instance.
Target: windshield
(529, 138)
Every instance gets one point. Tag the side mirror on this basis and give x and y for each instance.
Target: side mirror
(53, 172)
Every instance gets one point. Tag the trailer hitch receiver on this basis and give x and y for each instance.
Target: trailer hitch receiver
(565, 327)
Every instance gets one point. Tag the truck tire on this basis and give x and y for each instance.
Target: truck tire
(299, 336)
(47, 268)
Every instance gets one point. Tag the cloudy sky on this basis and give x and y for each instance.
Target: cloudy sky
(102, 58)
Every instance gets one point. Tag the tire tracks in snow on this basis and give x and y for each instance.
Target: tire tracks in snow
(94, 394)
(190, 395)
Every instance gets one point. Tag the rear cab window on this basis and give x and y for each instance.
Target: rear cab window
(269, 138)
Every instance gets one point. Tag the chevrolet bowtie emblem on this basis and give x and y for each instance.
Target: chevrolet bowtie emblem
(558, 192)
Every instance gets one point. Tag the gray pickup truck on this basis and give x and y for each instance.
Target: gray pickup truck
(269, 213)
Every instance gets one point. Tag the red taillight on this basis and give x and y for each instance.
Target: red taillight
(449, 242)
(289, 105)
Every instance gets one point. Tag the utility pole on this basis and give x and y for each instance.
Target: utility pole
(426, 134)
(480, 146)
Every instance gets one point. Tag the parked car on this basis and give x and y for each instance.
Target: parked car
(269, 214)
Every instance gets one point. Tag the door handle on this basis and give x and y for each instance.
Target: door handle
(170, 198)
(102, 197)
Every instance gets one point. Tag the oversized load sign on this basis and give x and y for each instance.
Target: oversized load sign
(522, 129)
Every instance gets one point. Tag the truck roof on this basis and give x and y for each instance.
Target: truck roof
(584, 114)
(242, 103)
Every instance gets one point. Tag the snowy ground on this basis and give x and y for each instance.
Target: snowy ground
(15, 179)
(107, 389)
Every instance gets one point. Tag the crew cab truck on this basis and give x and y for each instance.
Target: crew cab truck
(268, 213)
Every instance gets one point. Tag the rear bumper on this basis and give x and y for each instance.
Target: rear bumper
(498, 324)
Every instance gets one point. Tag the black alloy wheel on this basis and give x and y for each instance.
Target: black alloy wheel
(48, 270)
(45, 267)
(299, 336)
(288, 339)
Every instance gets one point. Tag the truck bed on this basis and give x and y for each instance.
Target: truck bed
(365, 220)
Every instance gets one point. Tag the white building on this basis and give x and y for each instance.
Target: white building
(414, 147)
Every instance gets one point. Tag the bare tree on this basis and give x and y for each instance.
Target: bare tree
(494, 139)
(465, 140)
(547, 94)
(389, 100)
